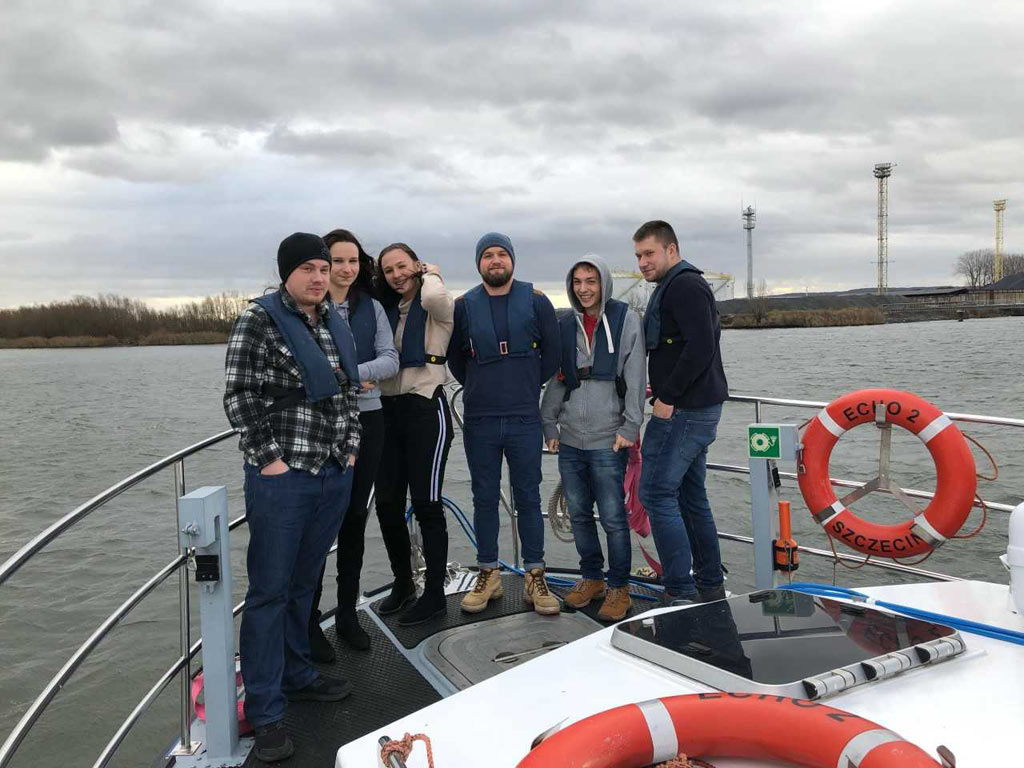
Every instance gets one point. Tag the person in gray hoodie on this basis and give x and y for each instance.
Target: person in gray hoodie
(591, 412)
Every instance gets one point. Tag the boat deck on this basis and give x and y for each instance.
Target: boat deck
(973, 704)
(388, 686)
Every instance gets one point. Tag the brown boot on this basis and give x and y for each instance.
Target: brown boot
(616, 605)
(583, 591)
(538, 594)
(487, 588)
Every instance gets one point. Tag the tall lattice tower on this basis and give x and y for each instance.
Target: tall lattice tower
(999, 206)
(882, 173)
(749, 219)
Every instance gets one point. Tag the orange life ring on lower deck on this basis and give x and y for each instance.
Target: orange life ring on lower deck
(954, 464)
(726, 725)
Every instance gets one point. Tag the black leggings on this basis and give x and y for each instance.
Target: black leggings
(418, 436)
(353, 527)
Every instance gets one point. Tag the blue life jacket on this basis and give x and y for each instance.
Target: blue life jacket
(605, 366)
(523, 331)
(653, 336)
(364, 328)
(414, 353)
(319, 380)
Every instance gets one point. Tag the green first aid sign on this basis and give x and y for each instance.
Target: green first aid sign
(763, 442)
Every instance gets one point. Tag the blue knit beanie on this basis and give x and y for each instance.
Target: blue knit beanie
(490, 240)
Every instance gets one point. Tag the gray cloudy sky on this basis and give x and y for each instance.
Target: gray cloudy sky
(162, 149)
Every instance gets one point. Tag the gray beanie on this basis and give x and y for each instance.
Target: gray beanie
(492, 239)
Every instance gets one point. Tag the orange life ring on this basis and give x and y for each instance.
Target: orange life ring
(955, 488)
(726, 725)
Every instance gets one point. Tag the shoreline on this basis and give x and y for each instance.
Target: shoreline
(158, 339)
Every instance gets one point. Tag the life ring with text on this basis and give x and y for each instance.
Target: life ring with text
(956, 483)
(747, 725)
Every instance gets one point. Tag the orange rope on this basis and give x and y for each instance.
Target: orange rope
(992, 461)
(404, 748)
(835, 556)
(682, 761)
(984, 519)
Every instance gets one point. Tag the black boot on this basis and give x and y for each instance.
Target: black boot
(347, 625)
(431, 605)
(403, 592)
(319, 647)
(711, 594)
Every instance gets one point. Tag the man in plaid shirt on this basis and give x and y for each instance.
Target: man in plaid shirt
(291, 392)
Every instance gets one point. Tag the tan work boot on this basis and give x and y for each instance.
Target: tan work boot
(538, 595)
(583, 591)
(616, 605)
(487, 588)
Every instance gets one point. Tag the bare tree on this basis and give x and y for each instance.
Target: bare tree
(978, 268)
(758, 303)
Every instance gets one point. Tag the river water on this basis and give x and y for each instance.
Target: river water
(73, 422)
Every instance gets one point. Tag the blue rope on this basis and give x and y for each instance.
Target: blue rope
(965, 625)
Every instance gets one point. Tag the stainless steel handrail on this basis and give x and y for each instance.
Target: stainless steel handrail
(19, 558)
(33, 713)
(883, 564)
(741, 470)
(158, 687)
(757, 401)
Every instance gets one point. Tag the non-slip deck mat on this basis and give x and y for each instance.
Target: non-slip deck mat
(509, 603)
(385, 687)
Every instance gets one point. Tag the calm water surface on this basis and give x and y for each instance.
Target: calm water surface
(73, 422)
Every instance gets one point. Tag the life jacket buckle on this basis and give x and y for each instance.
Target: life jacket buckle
(503, 347)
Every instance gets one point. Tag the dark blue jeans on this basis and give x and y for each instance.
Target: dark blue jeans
(672, 489)
(589, 476)
(520, 440)
(293, 518)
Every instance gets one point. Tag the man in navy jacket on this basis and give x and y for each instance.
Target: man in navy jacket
(505, 344)
(682, 333)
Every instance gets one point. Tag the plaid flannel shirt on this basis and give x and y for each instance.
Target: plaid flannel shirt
(305, 435)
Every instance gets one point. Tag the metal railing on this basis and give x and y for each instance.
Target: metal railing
(181, 668)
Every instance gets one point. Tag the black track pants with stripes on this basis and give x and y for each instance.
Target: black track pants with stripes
(418, 435)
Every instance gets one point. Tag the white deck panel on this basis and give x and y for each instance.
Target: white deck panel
(973, 704)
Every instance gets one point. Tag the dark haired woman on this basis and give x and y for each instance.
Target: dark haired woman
(352, 293)
(418, 428)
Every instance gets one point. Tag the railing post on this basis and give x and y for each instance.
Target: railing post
(184, 625)
(766, 444)
(203, 525)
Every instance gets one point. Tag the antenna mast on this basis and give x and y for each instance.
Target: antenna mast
(749, 218)
(882, 173)
(999, 206)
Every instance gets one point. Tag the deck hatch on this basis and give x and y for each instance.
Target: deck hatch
(786, 643)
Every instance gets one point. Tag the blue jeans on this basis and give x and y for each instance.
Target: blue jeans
(589, 476)
(672, 489)
(520, 439)
(293, 518)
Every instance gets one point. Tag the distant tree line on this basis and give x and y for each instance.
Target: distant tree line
(123, 319)
(978, 268)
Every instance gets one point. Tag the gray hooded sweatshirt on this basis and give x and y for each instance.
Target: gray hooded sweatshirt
(594, 413)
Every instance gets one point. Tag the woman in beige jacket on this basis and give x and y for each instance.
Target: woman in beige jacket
(418, 428)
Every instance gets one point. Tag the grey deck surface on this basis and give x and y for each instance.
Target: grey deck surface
(386, 687)
(511, 602)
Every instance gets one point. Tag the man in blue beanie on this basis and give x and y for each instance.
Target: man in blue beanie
(505, 344)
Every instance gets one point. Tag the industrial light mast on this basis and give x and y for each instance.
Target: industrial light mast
(999, 206)
(882, 173)
(749, 218)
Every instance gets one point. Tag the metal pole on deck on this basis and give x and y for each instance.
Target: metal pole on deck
(203, 527)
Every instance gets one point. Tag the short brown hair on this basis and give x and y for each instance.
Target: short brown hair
(660, 230)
